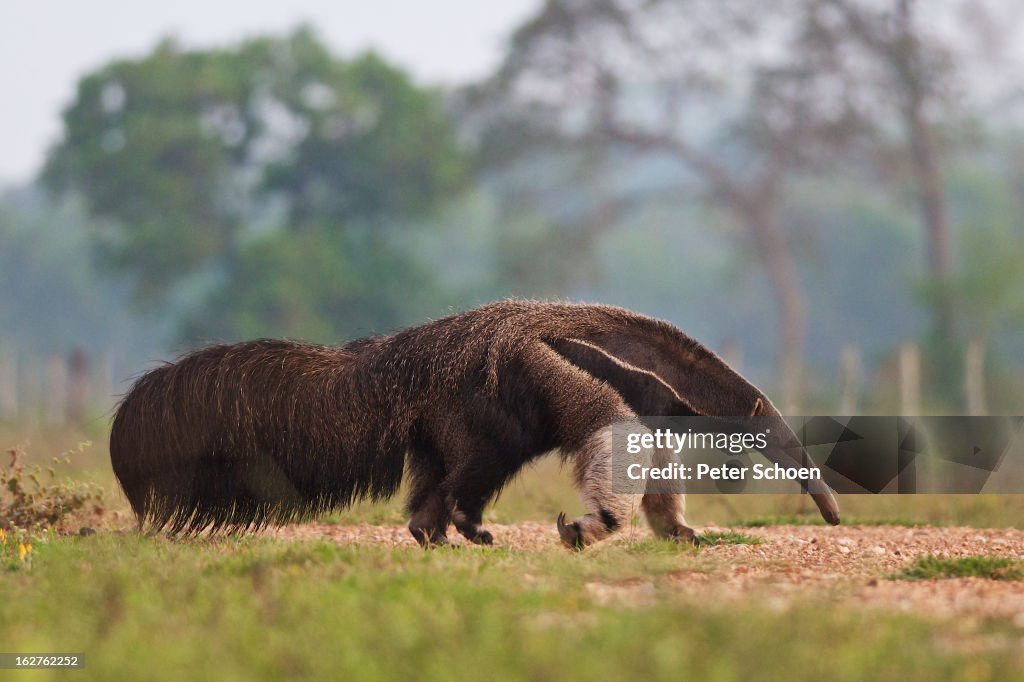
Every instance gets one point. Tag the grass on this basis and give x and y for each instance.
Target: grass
(988, 567)
(256, 608)
(729, 538)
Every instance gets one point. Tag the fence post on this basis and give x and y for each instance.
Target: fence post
(8, 382)
(78, 386)
(56, 389)
(910, 379)
(104, 375)
(974, 378)
(30, 385)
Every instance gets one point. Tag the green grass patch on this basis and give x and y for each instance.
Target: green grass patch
(729, 538)
(988, 567)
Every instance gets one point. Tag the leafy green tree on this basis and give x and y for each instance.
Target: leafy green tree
(315, 284)
(206, 165)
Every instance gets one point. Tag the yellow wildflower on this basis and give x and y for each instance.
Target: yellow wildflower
(23, 550)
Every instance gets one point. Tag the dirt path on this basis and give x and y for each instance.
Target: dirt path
(843, 563)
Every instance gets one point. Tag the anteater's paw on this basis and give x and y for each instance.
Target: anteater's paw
(439, 541)
(571, 534)
(482, 537)
(429, 539)
(685, 535)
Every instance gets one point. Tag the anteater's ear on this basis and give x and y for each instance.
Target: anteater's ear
(758, 408)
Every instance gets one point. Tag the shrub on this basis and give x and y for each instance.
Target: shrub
(31, 498)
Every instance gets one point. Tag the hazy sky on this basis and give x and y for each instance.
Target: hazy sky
(46, 45)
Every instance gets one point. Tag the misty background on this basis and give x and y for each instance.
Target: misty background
(828, 193)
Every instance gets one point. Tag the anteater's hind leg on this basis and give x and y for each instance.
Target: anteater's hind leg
(469, 522)
(608, 511)
(478, 469)
(469, 491)
(429, 522)
(664, 514)
(430, 510)
(582, 410)
(473, 487)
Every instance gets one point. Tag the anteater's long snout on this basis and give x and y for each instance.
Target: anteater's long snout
(786, 450)
(827, 504)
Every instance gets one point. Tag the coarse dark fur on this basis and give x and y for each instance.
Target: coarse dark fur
(242, 435)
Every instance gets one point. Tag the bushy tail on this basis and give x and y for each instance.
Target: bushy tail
(241, 436)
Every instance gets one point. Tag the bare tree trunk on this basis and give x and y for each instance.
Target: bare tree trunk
(926, 168)
(757, 207)
(936, 218)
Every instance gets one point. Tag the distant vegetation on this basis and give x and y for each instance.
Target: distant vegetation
(273, 188)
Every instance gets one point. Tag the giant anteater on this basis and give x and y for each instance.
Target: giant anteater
(240, 435)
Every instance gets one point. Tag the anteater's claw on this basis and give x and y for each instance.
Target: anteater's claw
(429, 540)
(686, 535)
(570, 533)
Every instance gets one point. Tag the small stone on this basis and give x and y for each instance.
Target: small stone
(844, 550)
(86, 531)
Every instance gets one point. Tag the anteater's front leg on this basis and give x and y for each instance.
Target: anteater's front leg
(664, 512)
(608, 511)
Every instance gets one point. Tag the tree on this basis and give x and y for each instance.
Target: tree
(688, 82)
(914, 80)
(746, 99)
(198, 161)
